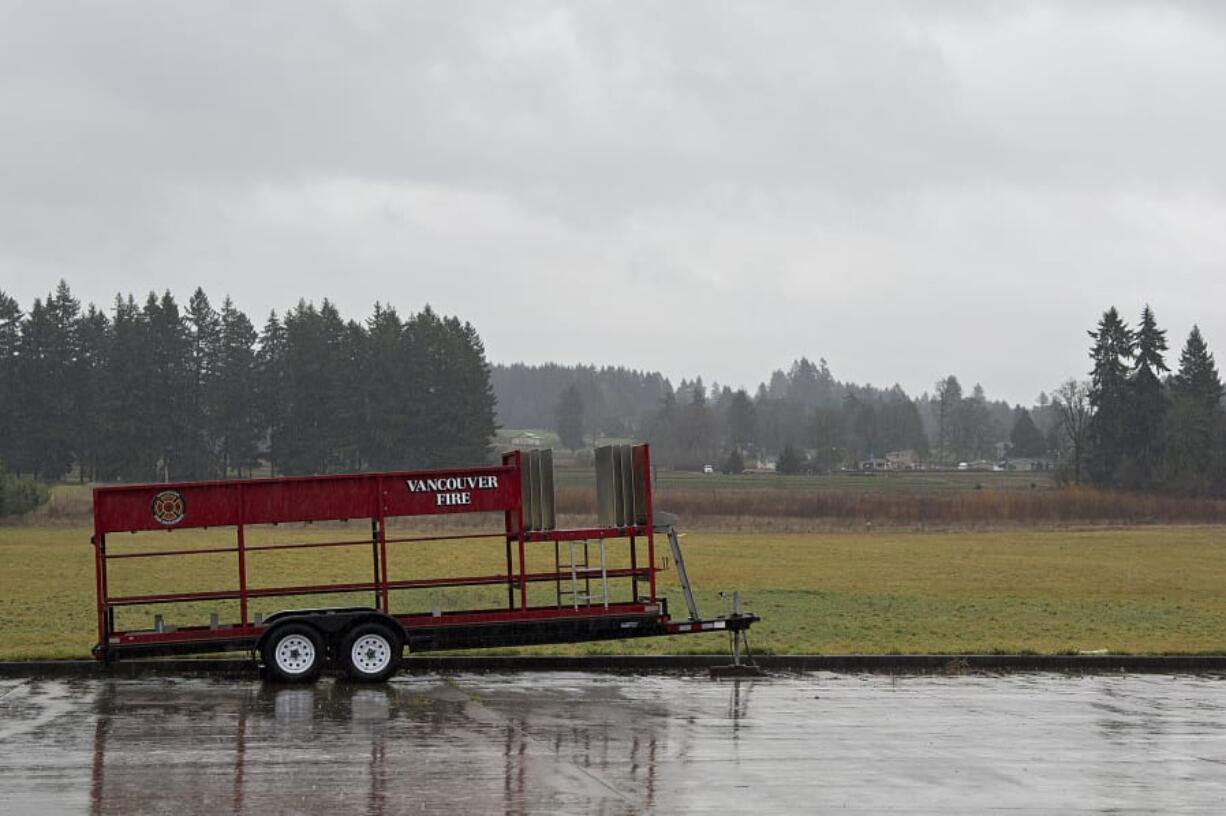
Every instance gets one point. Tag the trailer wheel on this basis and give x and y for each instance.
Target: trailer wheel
(294, 653)
(371, 652)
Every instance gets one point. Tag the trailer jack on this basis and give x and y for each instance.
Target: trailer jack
(739, 637)
(737, 634)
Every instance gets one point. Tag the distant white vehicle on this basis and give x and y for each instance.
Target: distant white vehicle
(708, 468)
(964, 466)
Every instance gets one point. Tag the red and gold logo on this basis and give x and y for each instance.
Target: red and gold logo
(169, 507)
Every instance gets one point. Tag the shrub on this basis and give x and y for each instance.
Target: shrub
(20, 495)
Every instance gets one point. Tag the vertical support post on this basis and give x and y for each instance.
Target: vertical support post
(604, 574)
(510, 569)
(634, 571)
(523, 569)
(382, 559)
(574, 577)
(510, 517)
(99, 542)
(651, 535)
(374, 557)
(242, 557)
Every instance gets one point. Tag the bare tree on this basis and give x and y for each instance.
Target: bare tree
(1072, 401)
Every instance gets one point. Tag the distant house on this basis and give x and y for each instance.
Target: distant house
(1029, 463)
(875, 464)
(902, 459)
(527, 439)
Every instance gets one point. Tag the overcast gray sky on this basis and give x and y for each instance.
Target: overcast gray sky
(907, 189)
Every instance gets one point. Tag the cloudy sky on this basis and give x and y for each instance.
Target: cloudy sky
(907, 189)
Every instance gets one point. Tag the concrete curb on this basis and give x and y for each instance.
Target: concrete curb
(648, 664)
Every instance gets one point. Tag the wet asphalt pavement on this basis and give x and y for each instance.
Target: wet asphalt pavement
(581, 743)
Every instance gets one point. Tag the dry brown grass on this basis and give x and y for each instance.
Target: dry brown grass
(1068, 506)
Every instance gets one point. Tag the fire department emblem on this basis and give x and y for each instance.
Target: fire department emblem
(169, 507)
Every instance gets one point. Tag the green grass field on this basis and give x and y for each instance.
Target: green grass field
(1148, 589)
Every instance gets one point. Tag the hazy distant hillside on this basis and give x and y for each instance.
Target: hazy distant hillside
(614, 399)
(830, 423)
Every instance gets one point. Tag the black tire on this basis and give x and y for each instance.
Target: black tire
(294, 653)
(370, 652)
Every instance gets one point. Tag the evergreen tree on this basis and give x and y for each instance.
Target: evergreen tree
(89, 382)
(569, 418)
(129, 450)
(662, 429)
(1025, 439)
(201, 457)
(1145, 435)
(1112, 354)
(1195, 451)
(43, 386)
(171, 395)
(454, 421)
(828, 439)
(741, 420)
(735, 463)
(790, 461)
(695, 429)
(270, 391)
(10, 339)
(386, 439)
(234, 393)
(949, 406)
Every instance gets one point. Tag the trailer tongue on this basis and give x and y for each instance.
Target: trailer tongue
(603, 577)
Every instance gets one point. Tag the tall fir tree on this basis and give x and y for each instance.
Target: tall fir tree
(1112, 354)
(171, 394)
(270, 391)
(742, 420)
(44, 388)
(1025, 439)
(233, 397)
(201, 457)
(569, 417)
(1145, 433)
(1196, 433)
(10, 339)
(386, 427)
(91, 365)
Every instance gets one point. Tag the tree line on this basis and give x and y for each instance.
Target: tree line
(1137, 425)
(155, 391)
(803, 418)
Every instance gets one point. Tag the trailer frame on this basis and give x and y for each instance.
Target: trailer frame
(509, 488)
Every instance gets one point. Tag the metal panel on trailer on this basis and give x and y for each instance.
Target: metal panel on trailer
(626, 472)
(531, 491)
(549, 518)
(606, 478)
(642, 478)
(619, 497)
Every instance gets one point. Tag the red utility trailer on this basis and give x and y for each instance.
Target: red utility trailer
(595, 597)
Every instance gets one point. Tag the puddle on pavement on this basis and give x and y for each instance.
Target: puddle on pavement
(576, 743)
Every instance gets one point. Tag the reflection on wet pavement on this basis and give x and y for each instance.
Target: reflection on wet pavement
(575, 743)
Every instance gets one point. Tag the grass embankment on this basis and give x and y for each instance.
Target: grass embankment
(1150, 589)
